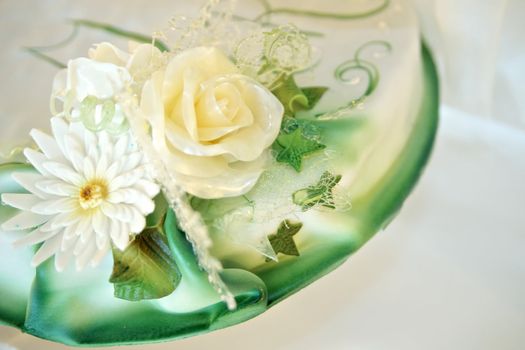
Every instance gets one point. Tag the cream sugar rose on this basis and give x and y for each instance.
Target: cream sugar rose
(210, 124)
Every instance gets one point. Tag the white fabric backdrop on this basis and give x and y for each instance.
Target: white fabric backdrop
(449, 272)
(481, 53)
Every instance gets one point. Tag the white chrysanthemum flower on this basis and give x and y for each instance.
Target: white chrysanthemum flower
(92, 190)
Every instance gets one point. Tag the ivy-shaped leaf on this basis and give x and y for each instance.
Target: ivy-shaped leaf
(146, 269)
(314, 94)
(296, 99)
(296, 140)
(319, 194)
(282, 241)
(291, 96)
(156, 218)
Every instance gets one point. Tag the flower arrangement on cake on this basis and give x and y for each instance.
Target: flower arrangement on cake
(194, 179)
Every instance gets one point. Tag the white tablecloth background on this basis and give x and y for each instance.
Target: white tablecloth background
(448, 273)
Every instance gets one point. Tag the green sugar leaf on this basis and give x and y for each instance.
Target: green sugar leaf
(282, 241)
(291, 96)
(156, 219)
(314, 94)
(296, 99)
(297, 139)
(318, 194)
(146, 269)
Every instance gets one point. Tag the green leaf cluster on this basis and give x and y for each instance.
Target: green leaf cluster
(298, 137)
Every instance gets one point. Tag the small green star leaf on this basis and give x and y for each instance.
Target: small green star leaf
(282, 241)
(296, 140)
(319, 194)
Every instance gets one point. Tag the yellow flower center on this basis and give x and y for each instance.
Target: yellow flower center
(92, 194)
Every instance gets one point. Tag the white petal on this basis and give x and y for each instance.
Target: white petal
(132, 161)
(120, 147)
(123, 213)
(47, 144)
(114, 229)
(70, 232)
(28, 181)
(34, 237)
(68, 243)
(84, 254)
(89, 168)
(75, 152)
(149, 188)
(125, 230)
(48, 227)
(124, 237)
(62, 259)
(63, 219)
(128, 195)
(102, 166)
(87, 234)
(64, 172)
(23, 201)
(59, 127)
(138, 221)
(132, 196)
(49, 248)
(106, 52)
(55, 206)
(109, 209)
(101, 227)
(119, 235)
(85, 229)
(23, 221)
(126, 179)
(105, 143)
(36, 159)
(91, 145)
(102, 80)
(118, 196)
(102, 240)
(81, 245)
(112, 171)
(100, 254)
(57, 187)
(145, 205)
(78, 130)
